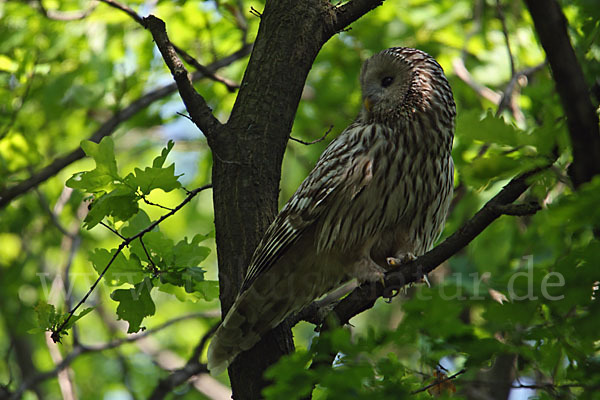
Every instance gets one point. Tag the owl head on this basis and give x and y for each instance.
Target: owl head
(399, 82)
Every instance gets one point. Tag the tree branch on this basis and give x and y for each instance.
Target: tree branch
(84, 349)
(364, 297)
(192, 367)
(66, 15)
(56, 334)
(195, 104)
(353, 10)
(108, 128)
(551, 26)
(231, 86)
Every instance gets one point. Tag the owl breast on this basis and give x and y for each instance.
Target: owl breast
(402, 189)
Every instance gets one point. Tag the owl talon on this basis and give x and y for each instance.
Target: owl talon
(404, 259)
(426, 280)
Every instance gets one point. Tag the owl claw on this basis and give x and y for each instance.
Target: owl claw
(404, 259)
(426, 280)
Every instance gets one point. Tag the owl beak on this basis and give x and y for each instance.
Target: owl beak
(368, 103)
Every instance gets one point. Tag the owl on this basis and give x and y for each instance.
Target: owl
(379, 193)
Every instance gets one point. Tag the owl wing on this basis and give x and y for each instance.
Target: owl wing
(339, 176)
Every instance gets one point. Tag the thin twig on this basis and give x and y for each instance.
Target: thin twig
(66, 15)
(192, 367)
(255, 12)
(113, 230)
(107, 128)
(438, 382)
(314, 141)
(502, 19)
(150, 203)
(57, 332)
(231, 86)
(53, 216)
(84, 349)
(153, 266)
(128, 10)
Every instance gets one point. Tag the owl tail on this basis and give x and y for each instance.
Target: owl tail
(253, 314)
(231, 338)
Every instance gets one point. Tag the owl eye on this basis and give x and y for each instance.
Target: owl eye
(387, 81)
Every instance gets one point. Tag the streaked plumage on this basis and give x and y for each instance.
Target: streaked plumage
(381, 189)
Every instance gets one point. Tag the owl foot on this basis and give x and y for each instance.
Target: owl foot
(366, 270)
(403, 259)
(394, 262)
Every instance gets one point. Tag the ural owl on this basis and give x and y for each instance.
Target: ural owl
(381, 189)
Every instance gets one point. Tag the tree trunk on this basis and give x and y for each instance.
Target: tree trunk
(247, 154)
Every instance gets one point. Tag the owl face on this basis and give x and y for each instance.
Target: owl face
(398, 82)
(385, 80)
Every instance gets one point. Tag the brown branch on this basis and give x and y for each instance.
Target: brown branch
(192, 367)
(231, 86)
(127, 10)
(365, 296)
(438, 382)
(85, 349)
(313, 141)
(353, 10)
(461, 71)
(507, 94)
(582, 121)
(195, 104)
(66, 15)
(108, 128)
(502, 19)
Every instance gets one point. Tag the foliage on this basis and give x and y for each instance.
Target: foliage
(525, 289)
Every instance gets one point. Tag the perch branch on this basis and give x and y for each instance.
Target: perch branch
(364, 297)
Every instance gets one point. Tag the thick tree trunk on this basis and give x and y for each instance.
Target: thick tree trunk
(247, 155)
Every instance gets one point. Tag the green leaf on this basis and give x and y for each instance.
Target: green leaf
(135, 304)
(207, 290)
(190, 254)
(135, 225)
(490, 129)
(121, 203)
(47, 317)
(160, 160)
(154, 178)
(77, 317)
(121, 271)
(105, 173)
